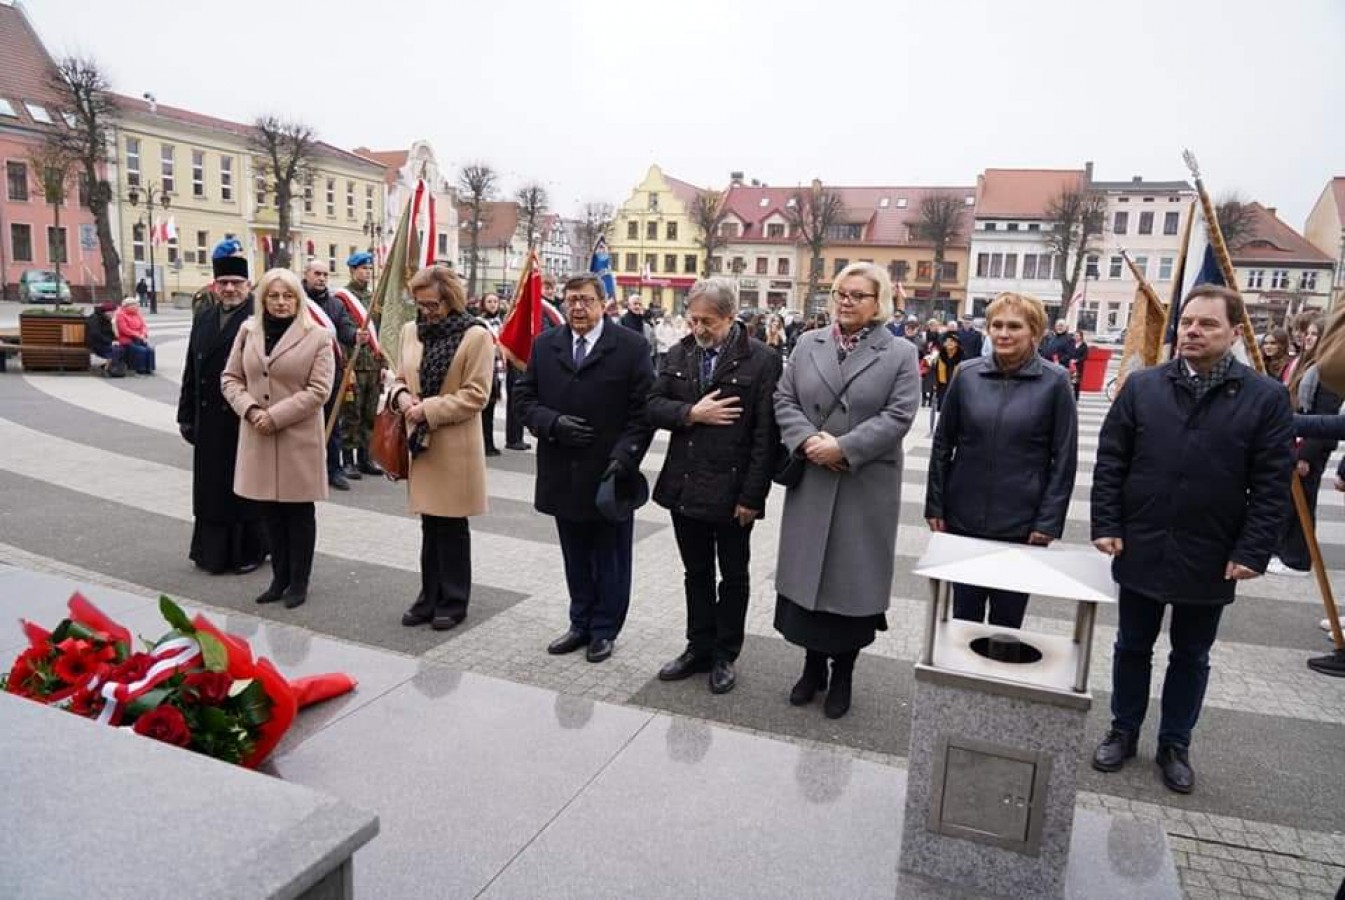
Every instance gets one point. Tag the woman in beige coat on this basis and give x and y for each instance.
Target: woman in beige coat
(278, 376)
(443, 382)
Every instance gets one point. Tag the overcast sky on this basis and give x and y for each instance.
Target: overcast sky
(584, 95)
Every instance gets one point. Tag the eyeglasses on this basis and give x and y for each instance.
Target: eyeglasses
(581, 300)
(852, 297)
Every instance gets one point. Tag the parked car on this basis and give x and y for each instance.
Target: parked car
(43, 286)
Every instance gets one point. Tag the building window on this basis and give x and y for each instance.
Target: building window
(762, 265)
(1011, 265)
(1165, 268)
(689, 264)
(1012, 226)
(837, 265)
(1121, 223)
(651, 231)
(1030, 266)
(1142, 263)
(1091, 268)
(198, 173)
(949, 272)
(632, 231)
(924, 269)
(671, 231)
(1256, 279)
(1307, 281)
(991, 226)
(202, 248)
(172, 250)
(899, 269)
(632, 262)
(83, 190)
(16, 175)
(1115, 266)
(716, 264)
(997, 265)
(670, 262)
(728, 229)
(21, 243)
(1279, 279)
(331, 206)
(775, 230)
(1147, 222)
(982, 266)
(350, 200)
(1170, 220)
(166, 165)
(651, 262)
(226, 178)
(331, 257)
(443, 244)
(138, 242)
(308, 194)
(369, 202)
(653, 202)
(133, 162)
(261, 191)
(782, 266)
(846, 232)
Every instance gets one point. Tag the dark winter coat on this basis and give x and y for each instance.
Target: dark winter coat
(971, 341)
(1058, 348)
(609, 392)
(1191, 486)
(1005, 451)
(711, 469)
(212, 421)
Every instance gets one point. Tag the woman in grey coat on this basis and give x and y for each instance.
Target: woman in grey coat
(844, 403)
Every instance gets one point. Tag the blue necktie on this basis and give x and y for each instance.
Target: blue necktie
(580, 351)
(708, 365)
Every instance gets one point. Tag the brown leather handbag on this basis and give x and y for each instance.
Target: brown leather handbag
(387, 444)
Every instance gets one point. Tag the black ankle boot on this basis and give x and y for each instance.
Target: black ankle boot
(842, 676)
(814, 679)
(271, 594)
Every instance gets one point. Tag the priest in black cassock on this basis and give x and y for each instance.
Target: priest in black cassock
(228, 535)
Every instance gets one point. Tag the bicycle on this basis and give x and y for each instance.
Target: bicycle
(1113, 385)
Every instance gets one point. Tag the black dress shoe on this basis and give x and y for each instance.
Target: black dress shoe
(445, 623)
(1115, 749)
(338, 482)
(837, 703)
(1177, 772)
(1332, 664)
(352, 472)
(492, 451)
(368, 467)
(686, 665)
(598, 649)
(271, 594)
(247, 567)
(295, 597)
(814, 679)
(518, 445)
(411, 618)
(568, 642)
(722, 677)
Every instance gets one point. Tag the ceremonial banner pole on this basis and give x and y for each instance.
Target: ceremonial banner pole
(1144, 331)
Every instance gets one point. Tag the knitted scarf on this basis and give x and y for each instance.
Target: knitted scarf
(847, 344)
(441, 341)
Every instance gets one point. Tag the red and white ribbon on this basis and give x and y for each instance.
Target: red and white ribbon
(170, 656)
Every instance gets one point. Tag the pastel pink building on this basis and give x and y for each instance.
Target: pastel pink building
(29, 109)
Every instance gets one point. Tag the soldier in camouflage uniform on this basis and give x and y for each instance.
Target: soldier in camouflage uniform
(361, 403)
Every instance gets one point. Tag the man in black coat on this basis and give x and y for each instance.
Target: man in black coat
(971, 338)
(227, 534)
(1190, 496)
(583, 395)
(715, 394)
(315, 286)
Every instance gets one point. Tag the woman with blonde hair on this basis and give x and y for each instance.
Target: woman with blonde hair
(443, 383)
(844, 403)
(1005, 451)
(279, 375)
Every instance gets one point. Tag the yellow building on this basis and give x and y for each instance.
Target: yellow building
(205, 170)
(654, 242)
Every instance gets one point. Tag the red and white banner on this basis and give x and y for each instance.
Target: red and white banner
(360, 315)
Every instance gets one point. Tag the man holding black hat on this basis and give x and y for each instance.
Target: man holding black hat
(361, 406)
(227, 535)
(583, 395)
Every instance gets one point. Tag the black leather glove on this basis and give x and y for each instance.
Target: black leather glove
(188, 433)
(617, 468)
(572, 431)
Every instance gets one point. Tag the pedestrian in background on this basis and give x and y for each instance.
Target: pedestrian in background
(492, 316)
(775, 336)
(1005, 451)
(1078, 359)
(278, 377)
(315, 288)
(133, 337)
(1275, 352)
(845, 402)
(360, 407)
(444, 377)
(944, 362)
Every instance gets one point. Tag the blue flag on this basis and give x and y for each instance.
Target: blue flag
(1209, 273)
(600, 264)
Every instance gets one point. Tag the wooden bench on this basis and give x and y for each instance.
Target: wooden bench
(45, 357)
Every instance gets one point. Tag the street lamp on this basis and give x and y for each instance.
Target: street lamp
(152, 192)
(374, 231)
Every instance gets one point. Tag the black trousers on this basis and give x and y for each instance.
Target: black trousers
(597, 557)
(1294, 545)
(1007, 608)
(445, 567)
(488, 414)
(513, 420)
(715, 629)
(292, 530)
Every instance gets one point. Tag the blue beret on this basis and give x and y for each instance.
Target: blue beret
(226, 247)
(362, 258)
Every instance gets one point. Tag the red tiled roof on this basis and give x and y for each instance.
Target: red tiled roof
(27, 69)
(745, 202)
(1272, 241)
(1022, 193)
(683, 191)
(891, 224)
(500, 225)
(391, 160)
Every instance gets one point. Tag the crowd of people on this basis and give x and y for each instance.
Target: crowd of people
(748, 401)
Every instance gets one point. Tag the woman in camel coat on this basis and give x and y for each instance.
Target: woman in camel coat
(443, 383)
(278, 376)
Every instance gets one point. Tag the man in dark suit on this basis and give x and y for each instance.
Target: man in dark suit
(583, 395)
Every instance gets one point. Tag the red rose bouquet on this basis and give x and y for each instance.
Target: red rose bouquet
(197, 687)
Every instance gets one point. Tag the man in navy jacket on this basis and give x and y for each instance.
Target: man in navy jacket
(1190, 496)
(583, 395)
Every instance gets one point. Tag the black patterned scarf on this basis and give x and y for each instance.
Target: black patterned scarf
(847, 344)
(440, 341)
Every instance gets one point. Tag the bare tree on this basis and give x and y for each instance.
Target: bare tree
(597, 222)
(88, 111)
(1237, 220)
(287, 149)
(1074, 222)
(533, 203)
(813, 212)
(476, 186)
(939, 222)
(52, 168)
(707, 213)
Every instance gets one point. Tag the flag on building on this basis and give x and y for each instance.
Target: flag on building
(525, 319)
(600, 264)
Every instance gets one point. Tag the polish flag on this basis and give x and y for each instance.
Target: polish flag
(431, 233)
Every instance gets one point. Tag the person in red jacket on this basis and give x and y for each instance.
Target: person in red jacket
(133, 336)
